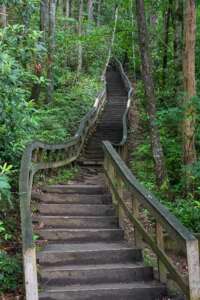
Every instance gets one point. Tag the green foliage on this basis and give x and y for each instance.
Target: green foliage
(4, 234)
(11, 272)
(187, 211)
(5, 187)
(16, 120)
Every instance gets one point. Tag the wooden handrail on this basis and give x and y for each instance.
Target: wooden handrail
(39, 156)
(121, 179)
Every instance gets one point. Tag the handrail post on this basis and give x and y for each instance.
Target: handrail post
(120, 189)
(160, 243)
(137, 235)
(30, 274)
(192, 248)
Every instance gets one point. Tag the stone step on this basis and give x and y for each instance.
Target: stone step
(76, 209)
(88, 253)
(76, 222)
(76, 189)
(81, 235)
(94, 274)
(72, 198)
(118, 291)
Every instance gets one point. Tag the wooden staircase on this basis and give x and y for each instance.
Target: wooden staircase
(86, 256)
(82, 253)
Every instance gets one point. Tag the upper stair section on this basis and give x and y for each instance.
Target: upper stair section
(110, 124)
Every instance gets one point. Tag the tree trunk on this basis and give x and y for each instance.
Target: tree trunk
(112, 39)
(44, 18)
(189, 151)
(90, 10)
(166, 41)
(150, 94)
(51, 48)
(80, 48)
(178, 45)
(67, 8)
(99, 13)
(3, 16)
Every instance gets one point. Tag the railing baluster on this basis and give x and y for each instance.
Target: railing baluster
(136, 213)
(161, 245)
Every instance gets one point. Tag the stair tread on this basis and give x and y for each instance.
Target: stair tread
(81, 229)
(81, 247)
(73, 217)
(107, 286)
(95, 267)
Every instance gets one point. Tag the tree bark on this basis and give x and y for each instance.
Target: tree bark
(178, 45)
(67, 8)
(189, 82)
(99, 13)
(44, 18)
(80, 48)
(112, 39)
(3, 16)
(51, 48)
(166, 41)
(90, 10)
(157, 150)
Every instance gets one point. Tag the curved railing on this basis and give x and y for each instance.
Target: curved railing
(122, 146)
(40, 156)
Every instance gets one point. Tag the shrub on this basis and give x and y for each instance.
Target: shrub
(11, 272)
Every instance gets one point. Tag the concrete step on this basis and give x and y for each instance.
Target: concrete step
(72, 198)
(94, 274)
(88, 253)
(81, 235)
(75, 189)
(76, 209)
(118, 291)
(76, 222)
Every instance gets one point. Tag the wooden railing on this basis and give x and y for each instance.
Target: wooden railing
(122, 148)
(121, 182)
(40, 156)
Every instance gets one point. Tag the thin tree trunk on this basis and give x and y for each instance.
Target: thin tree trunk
(150, 94)
(189, 151)
(80, 48)
(44, 27)
(51, 48)
(178, 45)
(44, 18)
(166, 41)
(90, 10)
(66, 8)
(133, 40)
(3, 16)
(112, 39)
(99, 13)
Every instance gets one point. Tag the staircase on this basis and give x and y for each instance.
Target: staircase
(86, 256)
(110, 125)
